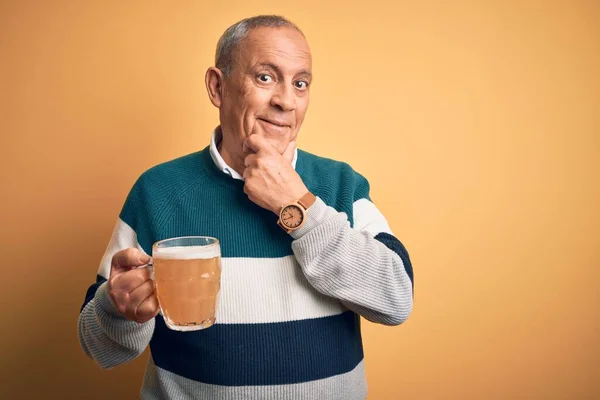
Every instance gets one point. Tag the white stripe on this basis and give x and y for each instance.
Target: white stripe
(262, 290)
(122, 237)
(160, 384)
(253, 290)
(368, 218)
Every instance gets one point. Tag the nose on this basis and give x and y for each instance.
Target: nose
(284, 97)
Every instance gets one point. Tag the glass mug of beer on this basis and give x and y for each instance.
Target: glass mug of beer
(187, 274)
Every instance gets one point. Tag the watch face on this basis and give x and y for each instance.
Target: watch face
(292, 216)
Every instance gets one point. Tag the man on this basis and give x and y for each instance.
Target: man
(293, 291)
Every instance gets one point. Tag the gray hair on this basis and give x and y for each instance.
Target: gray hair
(228, 44)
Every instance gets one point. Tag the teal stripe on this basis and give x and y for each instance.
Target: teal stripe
(336, 183)
(190, 196)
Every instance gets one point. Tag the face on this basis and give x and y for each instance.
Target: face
(267, 92)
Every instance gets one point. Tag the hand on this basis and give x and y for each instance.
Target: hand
(270, 179)
(132, 289)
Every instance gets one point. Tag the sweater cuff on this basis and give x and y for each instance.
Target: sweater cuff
(104, 303)
(317, 214)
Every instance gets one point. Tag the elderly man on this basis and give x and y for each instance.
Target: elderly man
(288, 324)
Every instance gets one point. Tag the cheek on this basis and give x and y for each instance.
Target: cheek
(247, 106)
(256, 102)
(301, 110)
(254, 98)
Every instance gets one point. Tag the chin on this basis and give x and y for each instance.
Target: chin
(279, 144)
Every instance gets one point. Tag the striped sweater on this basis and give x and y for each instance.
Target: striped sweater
(288, 322)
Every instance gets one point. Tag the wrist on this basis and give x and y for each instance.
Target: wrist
(289, 198)
(318, 214)
(105, 303)
(293, 215)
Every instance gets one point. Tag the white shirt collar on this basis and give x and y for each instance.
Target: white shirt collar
(222, 165)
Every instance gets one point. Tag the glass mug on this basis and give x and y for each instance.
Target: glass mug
(187, 274)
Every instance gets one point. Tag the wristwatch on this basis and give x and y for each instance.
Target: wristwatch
(293, 215)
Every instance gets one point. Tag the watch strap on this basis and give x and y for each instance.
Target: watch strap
(307, 200)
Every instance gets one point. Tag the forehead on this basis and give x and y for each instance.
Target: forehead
(284, 47)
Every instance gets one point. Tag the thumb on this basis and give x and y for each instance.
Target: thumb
(288, 154)
(127, 259)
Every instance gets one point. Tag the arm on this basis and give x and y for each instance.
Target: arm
(105, 335)
(365, 267)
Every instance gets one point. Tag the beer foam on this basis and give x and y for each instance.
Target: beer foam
(187, 252)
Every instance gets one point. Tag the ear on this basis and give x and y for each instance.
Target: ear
(214, 86)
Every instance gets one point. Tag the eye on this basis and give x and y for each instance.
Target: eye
(302, 85)
(265, 78)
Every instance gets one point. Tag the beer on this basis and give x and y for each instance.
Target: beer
(187, 284)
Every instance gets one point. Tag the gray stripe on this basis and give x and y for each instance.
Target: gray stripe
(352, 266)
(162, 384)
(106, 336)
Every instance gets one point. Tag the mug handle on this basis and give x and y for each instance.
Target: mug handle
(151, 266)
(148, 265)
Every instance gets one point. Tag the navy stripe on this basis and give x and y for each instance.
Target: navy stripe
(91, 292)
(261, 354)
(397, 247)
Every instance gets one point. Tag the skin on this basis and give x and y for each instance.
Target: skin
(131, 289)
(269, 82)
(262, 105)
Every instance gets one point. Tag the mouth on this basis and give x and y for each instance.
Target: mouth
(273, 123)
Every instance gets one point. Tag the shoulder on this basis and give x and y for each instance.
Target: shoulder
(171, 174)
(314, 165)
(156, 188)
(332, 175)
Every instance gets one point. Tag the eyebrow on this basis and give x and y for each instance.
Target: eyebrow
(275, 68)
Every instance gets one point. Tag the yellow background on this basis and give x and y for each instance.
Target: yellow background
(477, 124)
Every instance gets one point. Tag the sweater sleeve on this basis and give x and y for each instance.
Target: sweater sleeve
(104, 334)
(364, 266)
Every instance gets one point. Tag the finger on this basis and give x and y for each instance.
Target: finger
(257, 143)
(148, 309)
(288, 154)
(125, 259)
(140, 294)
(250, 160)
(128, 281)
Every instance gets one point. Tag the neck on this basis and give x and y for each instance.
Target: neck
(233, 158)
